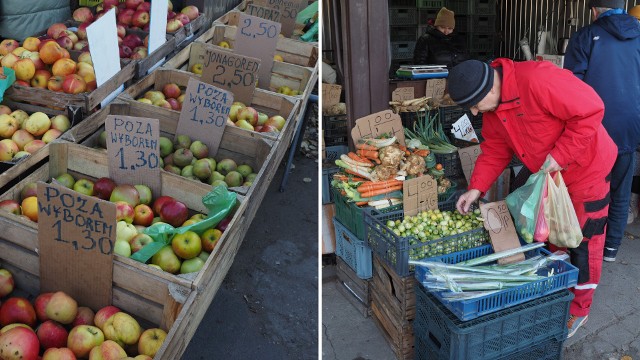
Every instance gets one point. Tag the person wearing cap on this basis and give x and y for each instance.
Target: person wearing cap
(439, 45)
(635, 12)
(605, 56)
(552, 121)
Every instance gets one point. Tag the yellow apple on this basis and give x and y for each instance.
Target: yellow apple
(8, 126)
(123, 329)
(37, 124)
(197, 68)
(150, 341)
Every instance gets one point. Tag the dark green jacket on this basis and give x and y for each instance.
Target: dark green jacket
(20, 19)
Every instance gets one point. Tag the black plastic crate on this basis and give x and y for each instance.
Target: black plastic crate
(409, 118)
(447, 115)
(460, 7)
(327, 176)
(504, 334)
(402, 49)
(335, 130)
(402, 33)
(451, 164)
(483, 24)
(430, 4)
(401, 3)
(484, 7)
(402, 16)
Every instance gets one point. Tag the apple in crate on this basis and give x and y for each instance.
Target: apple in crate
(210, 238)
(83, 14)
(123, 329)
(139, 241)
(40, 305)
(17, 310)
(150, 341)
(104, 314)
(174, 213)
(62, 308)
(84, 186)
(83, 338)
(191, 11)
(103, 188)
(276, 121)
(107, 350)
(143, 215)
(11, 206)
(126, 193)
(167, 260)
(159, 203)
(6, 283)
(186, 245)
(58, 354)
(249, 114)
(84, 317)
(19, 343)
(52, 335)
(60, 122)
(124, 212)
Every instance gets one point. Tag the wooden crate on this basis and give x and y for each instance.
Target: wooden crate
(354, 289)
(243, 147)
(264, 101)
(296, 77)
(393, 302)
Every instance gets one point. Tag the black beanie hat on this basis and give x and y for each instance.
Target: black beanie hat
(469, 82)
(611, 4)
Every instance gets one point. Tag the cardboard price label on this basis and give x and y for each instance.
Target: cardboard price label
(330, 95)
(204, 113)
(288, 10)
(257, 37)
(263, 12)
(78, 231)
(402, 94)
(230, 71)
(463, 130)
(468, 157)
(435, 88)
(133, 150)
(419, 194)
(374, 125)
(498, 222)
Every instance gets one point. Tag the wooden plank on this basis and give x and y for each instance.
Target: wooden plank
(349, 277)
(362, 308)
(402, 342)
(397, 294)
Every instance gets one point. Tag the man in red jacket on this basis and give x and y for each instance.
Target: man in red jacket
(552, 121)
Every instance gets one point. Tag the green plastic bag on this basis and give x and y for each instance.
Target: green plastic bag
(524, 205)
(6, 81)
(218, 201)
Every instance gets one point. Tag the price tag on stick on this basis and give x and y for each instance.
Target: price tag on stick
(468, 157)
(288, 12)
(133, 151)
(263, 12)
(204, 113)
(76, 236)
(258, 38)
(374, 125)
(498, 222)
(230, 71)
(419, 194)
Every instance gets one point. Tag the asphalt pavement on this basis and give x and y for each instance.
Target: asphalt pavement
(611, 333)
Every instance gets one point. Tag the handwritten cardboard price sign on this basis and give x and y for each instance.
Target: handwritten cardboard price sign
(204, 113)
(374, 125)
(76, 236)
(288, 9)
(419, 194)
(330, 95)
(402, 94)
(498, 222)
(263, 12)
(468, 157)
(258, 38)
(230, 71)
(435, 88)
(463, 130)
(133, 150)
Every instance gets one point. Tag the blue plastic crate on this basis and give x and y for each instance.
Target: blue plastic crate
(353, 251)
(565, 276)
(333, 152)
(532, 326)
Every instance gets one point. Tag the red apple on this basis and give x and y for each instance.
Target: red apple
(104, 314)
(143, 215)
(121, 30)
(140, 18)
(125, 17)
(125, 52)
(17, 310)
(191, 11)
(20, 343)
(52, 335)
(173, 25)
(83, 14)
(171, 90)
(159, 203)
(84, 317)
(11, 206)
(6, 283)
(132, 41)
(127, 193)
(133, 4)
(124, 212)
(40, 305)
(145, 6)
(276, 121)
(103, 188)
(82, 30)
(83, 338)
(54, 30)
(139, 241)
(110, 3)
(174, 213)
(249, 114)
(58, 354)
(184, 19)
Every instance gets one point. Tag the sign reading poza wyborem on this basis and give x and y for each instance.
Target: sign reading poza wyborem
(204, 114)
(76, 236)
(230, 71)
(133, 151)
(263, 12)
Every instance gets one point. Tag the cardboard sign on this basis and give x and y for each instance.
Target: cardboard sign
(263, 12)
(468, 157)
(76, 236)
(258, 38)
(419, 194)
(133, 151)
(204, 113)
(230, 71)
(330, 95)
(105, 54)
(435, 88)
(374, 125)
(463, 130)
(402, 94)
(288, 10)
(497, 221)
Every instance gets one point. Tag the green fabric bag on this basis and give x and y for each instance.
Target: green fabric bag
(6, 80)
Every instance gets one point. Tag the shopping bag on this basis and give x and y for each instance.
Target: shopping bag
(542, 228)
(524, 205)
(564, 227)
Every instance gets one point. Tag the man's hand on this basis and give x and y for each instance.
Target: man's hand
(550, 165)
(466, 199)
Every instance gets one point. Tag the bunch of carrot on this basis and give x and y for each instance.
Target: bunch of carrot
(370, 189)
(369, 152)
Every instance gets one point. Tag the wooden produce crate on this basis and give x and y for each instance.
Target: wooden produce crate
(393, 304)
(169, 301)
(354, 289)
(242, 146)
(263, 101)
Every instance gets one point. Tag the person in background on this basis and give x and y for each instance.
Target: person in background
(605, 56)
(20, 19)
(439, 45)
(553, 122)
(635, 11)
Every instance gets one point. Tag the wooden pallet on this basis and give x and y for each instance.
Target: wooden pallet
(354, 289)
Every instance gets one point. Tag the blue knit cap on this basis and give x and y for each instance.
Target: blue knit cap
(469, 82)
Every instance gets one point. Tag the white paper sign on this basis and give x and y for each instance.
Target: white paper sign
(103, 45)
(157, 24)
(463, 130)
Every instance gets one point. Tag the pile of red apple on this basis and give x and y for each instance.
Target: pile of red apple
(135, 211)
(22, 134)
(170, 97)
(246, 117)
(54, 327)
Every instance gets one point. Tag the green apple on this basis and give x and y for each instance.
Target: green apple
(244, 170)
(84, 186)
(145, 194)
(66, 180)
(204, 256)
(262, 118)
(125, 231)
(191, 265)
(167, 260)
(122, 248)
(166, 146)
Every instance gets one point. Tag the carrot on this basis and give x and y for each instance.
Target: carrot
(373, 193)
(366, 147)
(368, 153)
(438, 166)
(369, 186)
(422, 153)
(404, 148)
(361, 203)
(357, 158)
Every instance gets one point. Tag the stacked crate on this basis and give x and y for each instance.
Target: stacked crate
(335, 140)
(403, 20)
(479, 15)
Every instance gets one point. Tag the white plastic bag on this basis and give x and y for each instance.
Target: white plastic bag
(564, 227)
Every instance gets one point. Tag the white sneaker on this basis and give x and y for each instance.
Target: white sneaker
(631, 216)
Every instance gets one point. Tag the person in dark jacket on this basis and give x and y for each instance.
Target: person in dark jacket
(20, 19)
(605, 55)
(439, 45)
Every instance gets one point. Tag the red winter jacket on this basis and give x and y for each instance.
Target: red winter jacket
(545, 109)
